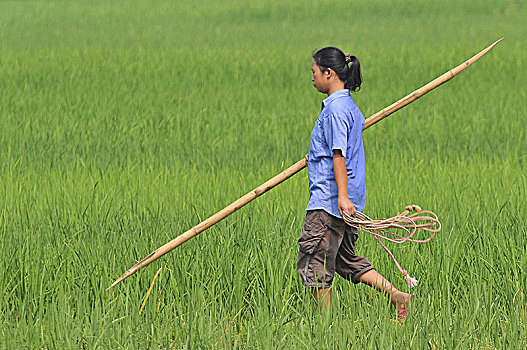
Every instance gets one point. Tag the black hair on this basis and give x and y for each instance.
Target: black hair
(334, 58)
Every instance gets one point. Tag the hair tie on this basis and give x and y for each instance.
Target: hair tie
(348, 58)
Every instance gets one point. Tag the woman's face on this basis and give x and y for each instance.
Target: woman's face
(319, 79)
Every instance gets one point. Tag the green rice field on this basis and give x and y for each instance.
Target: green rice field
(125, 123)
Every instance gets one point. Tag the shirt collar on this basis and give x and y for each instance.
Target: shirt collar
(334, 96)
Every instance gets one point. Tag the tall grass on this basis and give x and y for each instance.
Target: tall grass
(124, 124)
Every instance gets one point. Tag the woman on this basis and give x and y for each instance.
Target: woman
(337, 184)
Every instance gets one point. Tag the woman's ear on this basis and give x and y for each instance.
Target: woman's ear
(329, 73)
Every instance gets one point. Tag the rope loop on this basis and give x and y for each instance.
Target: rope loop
(419, 220)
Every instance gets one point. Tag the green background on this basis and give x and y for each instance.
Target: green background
(125, 123)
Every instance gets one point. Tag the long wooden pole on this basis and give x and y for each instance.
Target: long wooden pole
(292, 170)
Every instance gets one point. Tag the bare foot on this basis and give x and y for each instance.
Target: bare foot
(402, 301)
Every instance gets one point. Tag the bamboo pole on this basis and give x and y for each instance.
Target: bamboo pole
(292, 170)
(426, 88)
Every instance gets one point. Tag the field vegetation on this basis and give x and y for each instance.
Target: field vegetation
(125, 123)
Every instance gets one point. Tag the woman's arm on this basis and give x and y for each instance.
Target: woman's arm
(341, 177)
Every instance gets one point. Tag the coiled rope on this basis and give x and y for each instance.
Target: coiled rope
(423, 220)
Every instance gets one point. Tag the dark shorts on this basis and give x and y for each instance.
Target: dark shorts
(327, 245)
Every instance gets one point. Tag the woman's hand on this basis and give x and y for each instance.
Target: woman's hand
(346, 206)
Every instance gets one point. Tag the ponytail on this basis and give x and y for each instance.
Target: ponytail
(353, 78)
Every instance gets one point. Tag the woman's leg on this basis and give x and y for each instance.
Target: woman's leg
(322, 297)
(319, 244)
(374, 279)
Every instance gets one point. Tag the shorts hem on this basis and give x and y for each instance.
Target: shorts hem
(356, 277)
(317, 285)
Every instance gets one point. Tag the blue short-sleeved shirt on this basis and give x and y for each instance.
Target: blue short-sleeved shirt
(339, 126)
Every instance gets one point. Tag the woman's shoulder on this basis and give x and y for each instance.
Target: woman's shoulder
(341, 107)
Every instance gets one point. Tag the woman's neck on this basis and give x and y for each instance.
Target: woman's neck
(336, 87)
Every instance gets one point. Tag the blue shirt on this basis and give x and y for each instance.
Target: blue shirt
(339, 126)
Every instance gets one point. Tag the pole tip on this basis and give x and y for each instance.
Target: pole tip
(494, 44)
(117, 281)
(113, 285)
